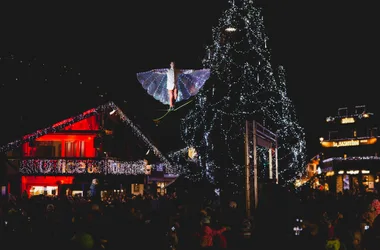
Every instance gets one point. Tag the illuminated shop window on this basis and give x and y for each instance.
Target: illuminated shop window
(44, 190)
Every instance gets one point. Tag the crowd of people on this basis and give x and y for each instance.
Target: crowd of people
(311, 219)
(342, 221)
(141, 222)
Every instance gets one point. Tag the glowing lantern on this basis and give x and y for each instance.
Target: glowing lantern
(192, 153)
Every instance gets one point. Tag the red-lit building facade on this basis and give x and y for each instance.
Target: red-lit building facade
(65, 157)
(76, 141)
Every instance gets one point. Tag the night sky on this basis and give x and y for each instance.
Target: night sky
(330, 53)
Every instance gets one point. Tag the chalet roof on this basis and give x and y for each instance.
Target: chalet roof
(43, 130)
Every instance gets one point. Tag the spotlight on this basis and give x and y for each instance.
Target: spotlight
(230, 29)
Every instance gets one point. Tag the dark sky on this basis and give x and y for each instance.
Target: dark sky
(329, 51)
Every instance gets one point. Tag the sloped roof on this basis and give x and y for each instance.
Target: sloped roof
(108, 107)
(51, 129)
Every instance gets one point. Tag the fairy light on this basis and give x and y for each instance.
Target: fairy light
(169, 167)
(34, 73)
(80, 166)
(245, 86)
(352, 158)
(49, 130)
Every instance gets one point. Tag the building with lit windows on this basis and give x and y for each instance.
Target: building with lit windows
(311, 170)
(350, 151)
(66, 156)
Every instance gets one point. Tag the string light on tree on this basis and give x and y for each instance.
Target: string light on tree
(291, 136)
(243, 85)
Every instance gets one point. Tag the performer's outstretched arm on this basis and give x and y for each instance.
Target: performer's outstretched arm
(159, 71)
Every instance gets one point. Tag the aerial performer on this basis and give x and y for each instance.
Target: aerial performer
(173, 85)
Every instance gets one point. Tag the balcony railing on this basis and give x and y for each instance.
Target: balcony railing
(61, 166)
(352, 158)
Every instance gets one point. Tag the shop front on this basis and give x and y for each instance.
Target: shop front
(351, 175)
(44, 185)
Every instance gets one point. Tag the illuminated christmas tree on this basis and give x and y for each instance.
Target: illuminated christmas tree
(243, 86)
(291, 137)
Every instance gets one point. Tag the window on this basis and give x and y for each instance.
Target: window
(69, 149)
(346, 182)
(75, 148)
(44, 190)
(48, 149)
(82, 147)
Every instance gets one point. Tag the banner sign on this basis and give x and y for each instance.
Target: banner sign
(348, 143)
(81, 166)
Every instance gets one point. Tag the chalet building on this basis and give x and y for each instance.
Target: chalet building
(350, 149)
(311, 170)
(66, 156)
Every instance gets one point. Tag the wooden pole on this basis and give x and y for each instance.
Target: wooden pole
(276, 159)
(270, 164)
(255, 174)
(247, 173)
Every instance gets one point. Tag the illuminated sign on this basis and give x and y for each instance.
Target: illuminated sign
(86, 166)
(348, 143)
(347, 120)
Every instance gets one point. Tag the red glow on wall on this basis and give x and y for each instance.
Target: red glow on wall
(69, 144)
(27, 182)
(71, 119)
(63, 122)
(90, 123)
